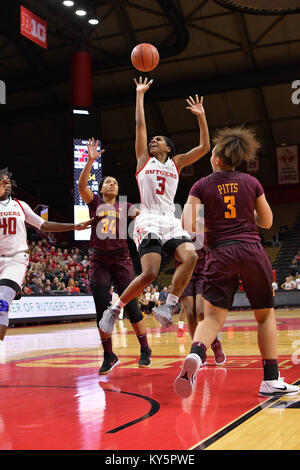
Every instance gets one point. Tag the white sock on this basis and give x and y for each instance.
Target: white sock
(172, 299)
(118, 305)
(181, 325)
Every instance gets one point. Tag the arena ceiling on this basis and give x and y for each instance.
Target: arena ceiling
(242, 63)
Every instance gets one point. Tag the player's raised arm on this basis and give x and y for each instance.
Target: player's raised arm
(85, 192)
(185, 159)
(141, 144)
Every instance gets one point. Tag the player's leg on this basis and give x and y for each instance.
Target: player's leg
(188, 303)
(205, 333)
(12, 272)
(185, 253)
(101, 295)
(257, 281)
(150, 253)
(182, 316)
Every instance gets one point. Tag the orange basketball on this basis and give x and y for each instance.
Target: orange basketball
(145, 57)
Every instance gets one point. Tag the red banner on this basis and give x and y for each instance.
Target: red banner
(287, 164)
(33, 27)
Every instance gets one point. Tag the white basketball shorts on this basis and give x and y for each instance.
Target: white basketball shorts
(14, 267)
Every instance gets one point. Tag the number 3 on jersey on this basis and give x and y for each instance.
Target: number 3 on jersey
(230, 201)
(161, 185)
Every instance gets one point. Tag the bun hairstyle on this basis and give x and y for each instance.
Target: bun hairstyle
(235, 145)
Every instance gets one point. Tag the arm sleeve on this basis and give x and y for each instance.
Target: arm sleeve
(259, 190)
(31, 217)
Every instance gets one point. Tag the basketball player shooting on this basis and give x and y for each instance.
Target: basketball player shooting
(157, 230)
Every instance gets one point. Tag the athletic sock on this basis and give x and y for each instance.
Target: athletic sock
(118, 305)
(172, 299)
(107, 345)
(143, 341)
(200, 349)
(181, 325)
(270, 369)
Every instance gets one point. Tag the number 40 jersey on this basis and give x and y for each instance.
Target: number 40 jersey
(13, 234)
(157, 184)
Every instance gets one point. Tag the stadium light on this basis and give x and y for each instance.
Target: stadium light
(68, 3)
(93, 21)
(80, 12)
(80, 111)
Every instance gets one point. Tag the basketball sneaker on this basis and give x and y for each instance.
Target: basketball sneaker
(220, 357)
(145, 359)
(184, 383)
(110, 361)
(272, 388)
(164, 313)
(108, 320)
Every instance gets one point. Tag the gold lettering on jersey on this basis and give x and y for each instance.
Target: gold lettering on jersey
(108, 213)
(161, 173)
(228, 188)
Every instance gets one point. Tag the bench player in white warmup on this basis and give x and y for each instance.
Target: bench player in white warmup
(13, 244)
(157, 229)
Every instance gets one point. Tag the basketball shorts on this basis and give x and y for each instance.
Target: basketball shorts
(195, 286)
(14, 268)
(163, 226)
(225, 265)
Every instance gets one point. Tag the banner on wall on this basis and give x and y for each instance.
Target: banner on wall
(287, 164)
(51, 306)
(33, 27)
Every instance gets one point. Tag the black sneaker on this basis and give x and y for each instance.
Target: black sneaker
(110, 361)
(145, 359)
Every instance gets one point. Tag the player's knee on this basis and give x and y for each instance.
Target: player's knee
(190, 258)
(133, 312)
(149, 274)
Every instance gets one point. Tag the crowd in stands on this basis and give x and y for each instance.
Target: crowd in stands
(55, 270)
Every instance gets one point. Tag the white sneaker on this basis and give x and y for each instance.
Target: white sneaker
(184, 383)
(272, 388)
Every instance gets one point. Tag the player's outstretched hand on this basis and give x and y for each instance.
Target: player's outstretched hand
(195, 105)
(142, 85)
(92, 149)
(83, 225)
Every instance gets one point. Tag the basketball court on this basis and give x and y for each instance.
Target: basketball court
(55, 399)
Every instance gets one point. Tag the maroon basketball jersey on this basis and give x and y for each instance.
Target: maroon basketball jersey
(109, 227)
(229, 201)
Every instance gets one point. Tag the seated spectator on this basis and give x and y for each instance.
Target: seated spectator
(297, 281)
(274, 286)
(26, 290)
(74, 289)
(163, 295)
(37, 286)
(289, 283)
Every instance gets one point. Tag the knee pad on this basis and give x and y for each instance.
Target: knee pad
(133, 311)
(4, 307)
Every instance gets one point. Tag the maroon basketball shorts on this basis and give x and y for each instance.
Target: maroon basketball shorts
(111, 270)
(195, 286)
(224, 266)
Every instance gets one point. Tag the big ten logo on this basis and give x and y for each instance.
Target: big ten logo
(33, 27)
(296, 93)
(296, 353)
(2, 92)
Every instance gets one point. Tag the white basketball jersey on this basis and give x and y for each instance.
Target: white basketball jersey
(13, 235)
(158, 183)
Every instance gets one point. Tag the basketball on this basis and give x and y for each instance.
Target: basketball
(145, 57)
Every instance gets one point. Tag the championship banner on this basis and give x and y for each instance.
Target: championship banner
(33, 27)
(287, 164)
